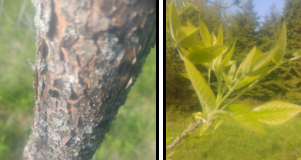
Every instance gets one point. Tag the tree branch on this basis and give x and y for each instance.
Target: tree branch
(184, 133)
(236, 2)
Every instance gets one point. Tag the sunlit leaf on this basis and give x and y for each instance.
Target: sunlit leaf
(238, 107)
(249, 60)
(229, 55)
(232, 71)
(220, 37)
(248, 121)
(215, 84)
(263, 60)
(204, 92)
(170, 155)
(197, 45)
(189, 24)
(187, 36)
(199, 115)
(185, 75)
(205, 55)
(174, 20)
(243, 116)
(213, 39)
(275, 112)
(168, 139)
(217, 125)
(230, 63)
(245, 81)
(297, 55)
(218, 69)
(227, 80)
(187, 136)
(239, 72)
(281, 44)
(204, 128)
(262, 71)
(204, 33)
(185, 52)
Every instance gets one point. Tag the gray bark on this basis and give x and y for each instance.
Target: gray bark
(89, 54)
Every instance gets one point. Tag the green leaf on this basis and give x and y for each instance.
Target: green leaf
(248, 121)
(217, 125)
(238, 107)
(263, 60)
(228, 82)
(204, 92)
(200, 138)
(185, 52)
(243, 116)
(245, 81)
(185, 75)
(189, 24)
(215, 84)
(168, 139)
(229, 55)
(218, 69)
(204, 33)
(239, 72)
(230, 63)
(297, 55)
(281, 43)
(213, 38)
(205, 55)
(197, 45)
(249, 60)
(188, 135)
(186, 36)
(204, 128)
(263, 71)
(199, 115)
(220, 36)
(170, 155)
(174, 20)
(232, 71)
(275, 112)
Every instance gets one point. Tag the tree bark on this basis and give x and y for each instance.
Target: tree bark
(89, 54)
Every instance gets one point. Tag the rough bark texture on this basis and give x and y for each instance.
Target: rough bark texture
(89, 54)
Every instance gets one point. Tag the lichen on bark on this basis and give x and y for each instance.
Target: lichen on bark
(89, 54)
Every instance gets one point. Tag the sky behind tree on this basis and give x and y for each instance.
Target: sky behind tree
(262, 7)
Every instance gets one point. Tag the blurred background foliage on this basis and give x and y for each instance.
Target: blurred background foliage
(131, 136)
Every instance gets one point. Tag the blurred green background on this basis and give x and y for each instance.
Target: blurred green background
(131, 136)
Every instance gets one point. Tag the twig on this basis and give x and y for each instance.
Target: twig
(5, 13)
(225, 7)
(178, 139)
(21, 11)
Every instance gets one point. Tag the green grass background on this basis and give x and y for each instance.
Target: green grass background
(232, 142)
(131, 136)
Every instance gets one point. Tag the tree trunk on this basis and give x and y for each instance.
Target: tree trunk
(89, 54)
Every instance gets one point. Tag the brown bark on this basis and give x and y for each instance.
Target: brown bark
(183, 134)
(89, 54)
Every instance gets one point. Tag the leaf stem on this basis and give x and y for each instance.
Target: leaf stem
(241, 93)
(229, 92)
(209, 70)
